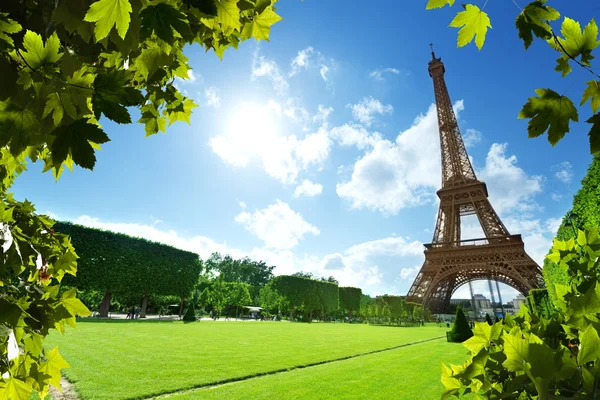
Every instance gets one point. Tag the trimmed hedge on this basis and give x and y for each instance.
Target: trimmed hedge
(190, 314)
(350, 299)
(307, 294)
(539, 303)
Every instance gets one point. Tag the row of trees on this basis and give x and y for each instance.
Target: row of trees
(392, 310)
(113, 263)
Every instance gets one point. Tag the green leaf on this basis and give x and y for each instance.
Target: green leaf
(70, 301)
(549, 112)
(57, 104)
(563, 66)
(204, 6)
(151, 59)
(37, 53)
(590, 346)
(74, 139)
(16, 389)
(18, 126)
(260, 26)
(431, 4)
(163, 19)
(516, 350)
(53, 365)
(576, 42)
(182, 114)
(228, 13)
(594, 133)
(7, 28)
(109, 13)
(584, 308)
(532, 21)
(592, 92)
(473, 23)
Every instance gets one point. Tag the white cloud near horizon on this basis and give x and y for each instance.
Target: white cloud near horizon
(211, 95)
(277, 225)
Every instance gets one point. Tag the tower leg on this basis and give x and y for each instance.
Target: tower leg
(493, 298)
(500, 299)
(472, 300)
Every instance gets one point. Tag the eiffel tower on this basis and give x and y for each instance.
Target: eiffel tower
(449, 261)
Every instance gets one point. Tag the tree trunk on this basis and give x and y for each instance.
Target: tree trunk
(291, 315)
(105, 305)
(310, 316)
(144, 305)
(350, 311)
(180, 308)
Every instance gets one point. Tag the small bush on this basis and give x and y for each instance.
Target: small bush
(190, 314)
(461, 330)
(488, 319)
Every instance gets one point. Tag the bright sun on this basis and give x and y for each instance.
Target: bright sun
(252, 128)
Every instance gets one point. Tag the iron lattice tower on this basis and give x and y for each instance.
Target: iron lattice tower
(449, 261)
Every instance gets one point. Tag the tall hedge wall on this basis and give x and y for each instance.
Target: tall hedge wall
(586, 208)
(116, 263)
(308, 294)
(350, 299)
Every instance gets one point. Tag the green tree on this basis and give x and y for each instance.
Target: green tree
(67, 66)
(584, 214)
(350, 298)
(547, 111)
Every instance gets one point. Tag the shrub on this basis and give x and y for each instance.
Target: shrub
(532, 357)
(461, 330)
(190, 314)
(488, 319)
(539, 303)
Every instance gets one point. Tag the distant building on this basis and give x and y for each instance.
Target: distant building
(517, 301)
(460, 301)
(481, 302)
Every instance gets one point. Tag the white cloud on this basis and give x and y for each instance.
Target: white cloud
(395, 175)
(191, 75)
(322, 114)
(323, 71)
(354, 135)
(509, 186)
(301, 61)
(471, 137)
(262, 67)
(378, 73)
(367, 108)
(309, 189)
(212, 97)
(255, 134)
(564, 172)
(279, 226)
(242, 205)
(409, 273)
(556, 196)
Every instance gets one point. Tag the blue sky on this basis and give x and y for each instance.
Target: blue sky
(318, 151)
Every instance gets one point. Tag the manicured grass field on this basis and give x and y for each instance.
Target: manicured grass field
(131, 359)
(410, 373)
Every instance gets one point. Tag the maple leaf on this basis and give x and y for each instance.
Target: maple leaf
(590, 346)
(592, 92)
(228, 13)
(18, 125)
(549, 112)
(15, 389)
(58, 104)
(473, 23)
(163, 19)
(431, 4)
(109, 13)
(69, 300)
(53, 365)
(8, 27)
(532, 21)
(74, 139)
(37, 53)
(576, 42)
(260, 26)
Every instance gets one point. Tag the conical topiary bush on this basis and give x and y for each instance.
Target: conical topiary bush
(461, 330)
(488, 319)
(190, 314)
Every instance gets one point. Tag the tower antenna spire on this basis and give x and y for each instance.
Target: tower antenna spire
(432, 53)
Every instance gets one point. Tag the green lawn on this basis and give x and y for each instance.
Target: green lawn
(411, 372)
(131, 359)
